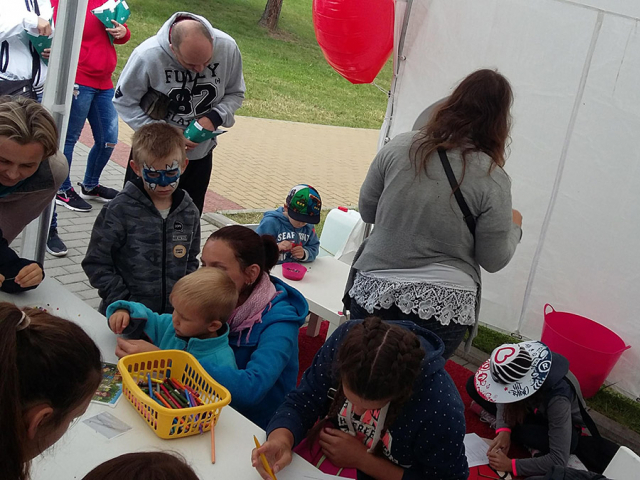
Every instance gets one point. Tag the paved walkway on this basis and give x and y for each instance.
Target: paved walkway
(255, 165)
(258, 160)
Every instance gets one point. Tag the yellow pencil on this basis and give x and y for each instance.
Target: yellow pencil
(263, 459)
(213, 443)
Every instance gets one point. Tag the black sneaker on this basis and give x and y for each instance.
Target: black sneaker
(72, 201)
(55, 245)
(98, 192)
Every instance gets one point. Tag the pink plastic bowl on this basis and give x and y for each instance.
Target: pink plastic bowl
(293, 271)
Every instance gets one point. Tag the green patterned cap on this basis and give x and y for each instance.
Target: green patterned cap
(304, 204)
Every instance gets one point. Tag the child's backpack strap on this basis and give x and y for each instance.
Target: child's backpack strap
(596, 452)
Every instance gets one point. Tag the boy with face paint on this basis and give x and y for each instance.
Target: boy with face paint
(148, 237)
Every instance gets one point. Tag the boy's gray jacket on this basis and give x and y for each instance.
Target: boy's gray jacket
(220, 88)
(136, 255)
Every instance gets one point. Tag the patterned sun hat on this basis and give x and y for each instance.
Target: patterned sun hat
(304, 204)
(514, 372)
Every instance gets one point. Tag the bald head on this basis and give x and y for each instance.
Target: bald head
(186, 28)
(192, 44)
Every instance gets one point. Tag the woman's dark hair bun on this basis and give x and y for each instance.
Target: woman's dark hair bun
(271, 252)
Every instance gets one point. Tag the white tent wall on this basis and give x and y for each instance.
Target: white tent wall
(574, 157)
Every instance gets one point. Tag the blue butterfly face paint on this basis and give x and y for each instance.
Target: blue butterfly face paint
(167, 177)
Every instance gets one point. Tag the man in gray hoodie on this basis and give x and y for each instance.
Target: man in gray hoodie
(188, 71)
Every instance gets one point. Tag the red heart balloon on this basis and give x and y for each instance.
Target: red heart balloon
(356, 36)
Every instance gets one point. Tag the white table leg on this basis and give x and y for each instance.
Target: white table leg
(314, 325)
(333, 326)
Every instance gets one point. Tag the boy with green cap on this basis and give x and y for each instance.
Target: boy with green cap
(292, 225)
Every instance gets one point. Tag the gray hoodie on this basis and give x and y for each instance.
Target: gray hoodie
(220, 88)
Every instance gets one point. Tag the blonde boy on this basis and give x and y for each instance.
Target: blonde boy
(148, 237)
(202, 303)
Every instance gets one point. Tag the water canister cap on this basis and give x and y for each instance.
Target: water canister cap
(343, 209)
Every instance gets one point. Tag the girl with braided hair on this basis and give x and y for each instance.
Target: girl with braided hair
(386, 407)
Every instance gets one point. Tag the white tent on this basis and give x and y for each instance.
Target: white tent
(575, 153)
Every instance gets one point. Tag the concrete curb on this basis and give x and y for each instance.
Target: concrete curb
(607, 427)
(218, 220)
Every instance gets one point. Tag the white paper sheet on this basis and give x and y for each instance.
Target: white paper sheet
(475, 449)
(291, 473)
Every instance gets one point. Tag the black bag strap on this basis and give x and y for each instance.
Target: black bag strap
(468, 217)
(586, 418)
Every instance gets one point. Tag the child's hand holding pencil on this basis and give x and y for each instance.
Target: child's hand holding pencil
(274, 455)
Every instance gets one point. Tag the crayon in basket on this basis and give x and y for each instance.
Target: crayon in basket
(171, 394)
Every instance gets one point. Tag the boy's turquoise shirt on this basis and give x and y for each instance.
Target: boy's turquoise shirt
(159, 328)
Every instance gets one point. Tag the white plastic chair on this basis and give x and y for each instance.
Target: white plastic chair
(625, 465)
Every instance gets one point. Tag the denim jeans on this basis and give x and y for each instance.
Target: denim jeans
(97, 107)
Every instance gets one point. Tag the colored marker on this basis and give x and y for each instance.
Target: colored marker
(263, 459)
(169, 397)
(163, 401)
(175, 395)
(150, 387)
(213, 443)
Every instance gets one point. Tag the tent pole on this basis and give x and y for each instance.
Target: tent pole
(58, 90)
(397, 58)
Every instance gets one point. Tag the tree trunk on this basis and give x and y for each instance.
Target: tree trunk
(271, 14)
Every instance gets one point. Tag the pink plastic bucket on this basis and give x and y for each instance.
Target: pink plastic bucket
(592, 349)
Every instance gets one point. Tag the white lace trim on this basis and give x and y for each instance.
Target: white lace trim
(447, 303)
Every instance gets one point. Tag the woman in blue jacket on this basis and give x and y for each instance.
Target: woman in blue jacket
(263, 327)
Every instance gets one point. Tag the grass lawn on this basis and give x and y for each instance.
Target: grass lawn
(245, 218)
(286, 74)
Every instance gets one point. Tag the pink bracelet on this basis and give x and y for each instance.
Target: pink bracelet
(513, 467)
(503, 429)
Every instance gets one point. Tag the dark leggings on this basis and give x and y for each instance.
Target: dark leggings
(533, 432)
(451, 335)
(194, 180)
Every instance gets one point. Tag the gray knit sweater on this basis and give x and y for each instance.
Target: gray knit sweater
(418, 221)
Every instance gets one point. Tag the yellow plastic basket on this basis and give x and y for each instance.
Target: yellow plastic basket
(181, 366)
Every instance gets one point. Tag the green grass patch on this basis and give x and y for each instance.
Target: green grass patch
(245, 218)
(487, 340)
(286, 74)
(617, 407)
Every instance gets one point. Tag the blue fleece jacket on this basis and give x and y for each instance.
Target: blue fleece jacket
(159, 328)
(426, 439)
(267, 360)
(276, 223)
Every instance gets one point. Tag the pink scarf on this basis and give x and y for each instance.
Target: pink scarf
(250, 312)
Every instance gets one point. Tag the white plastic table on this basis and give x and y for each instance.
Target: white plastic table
(323, 287)
(81, 449)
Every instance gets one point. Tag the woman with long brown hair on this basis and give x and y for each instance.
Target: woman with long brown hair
(440, 201)
(49, 370)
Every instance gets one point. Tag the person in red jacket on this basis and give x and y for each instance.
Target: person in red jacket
(92, 97)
